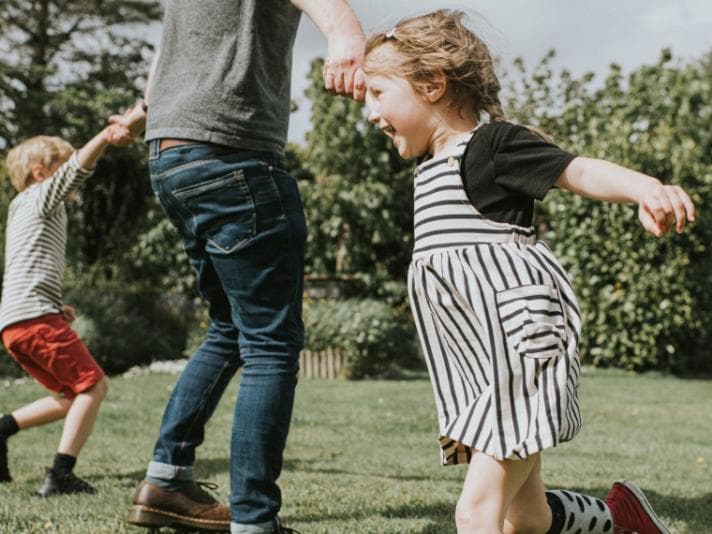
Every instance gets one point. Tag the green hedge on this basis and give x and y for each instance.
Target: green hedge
(646, 302)
(377, 340)
(125, 326)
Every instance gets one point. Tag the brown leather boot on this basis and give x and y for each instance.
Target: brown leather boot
(191, 506)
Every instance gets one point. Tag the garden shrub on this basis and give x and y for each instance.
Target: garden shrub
(376, 339)
(646, 302)
(126, 326)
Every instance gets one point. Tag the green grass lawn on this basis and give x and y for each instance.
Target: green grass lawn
(362, 457)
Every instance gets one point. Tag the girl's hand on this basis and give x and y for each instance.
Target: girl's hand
(69, 313)
(663, 206)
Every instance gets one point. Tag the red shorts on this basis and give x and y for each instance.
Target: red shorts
(52, 353)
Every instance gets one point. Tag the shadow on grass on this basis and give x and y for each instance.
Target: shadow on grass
(305, 467)
(440, 516)
(203, 469)
(695, 512)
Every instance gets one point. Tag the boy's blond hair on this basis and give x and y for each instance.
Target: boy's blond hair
(43, 149)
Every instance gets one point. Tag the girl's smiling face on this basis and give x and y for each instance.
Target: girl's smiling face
(401, 113)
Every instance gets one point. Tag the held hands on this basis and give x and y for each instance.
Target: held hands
(123, 129)
(661, 207)
(342, 69)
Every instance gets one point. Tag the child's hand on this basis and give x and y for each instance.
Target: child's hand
(664, 205)
(118, 135)
(69, 313)
(134, 120)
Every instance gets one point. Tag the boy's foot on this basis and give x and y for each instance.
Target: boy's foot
(190, 506)
(63, 483)
(4, 471)
(631, 511)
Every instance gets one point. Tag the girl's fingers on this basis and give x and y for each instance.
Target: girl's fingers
(648, 221)
(687, 202)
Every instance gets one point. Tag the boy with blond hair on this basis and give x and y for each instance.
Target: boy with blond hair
(34, 321)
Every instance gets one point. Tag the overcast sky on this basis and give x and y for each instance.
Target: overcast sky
(588, 35)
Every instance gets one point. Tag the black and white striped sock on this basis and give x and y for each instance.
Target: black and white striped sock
(573, 513)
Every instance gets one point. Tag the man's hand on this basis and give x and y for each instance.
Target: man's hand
(342, 69)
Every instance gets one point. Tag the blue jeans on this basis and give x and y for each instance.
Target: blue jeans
(242, 223)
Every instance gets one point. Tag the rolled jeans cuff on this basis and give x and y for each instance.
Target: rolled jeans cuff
(254, 528)
(169, 472)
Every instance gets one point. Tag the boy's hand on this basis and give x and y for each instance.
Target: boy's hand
(69, 313)
(663, 206)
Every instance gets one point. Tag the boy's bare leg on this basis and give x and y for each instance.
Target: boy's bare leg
(41, 411)
(80, 418)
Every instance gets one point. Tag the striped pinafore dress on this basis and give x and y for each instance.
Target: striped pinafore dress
(498, 322)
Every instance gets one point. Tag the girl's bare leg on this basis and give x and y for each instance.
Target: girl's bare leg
(490, 488)
(529, 512)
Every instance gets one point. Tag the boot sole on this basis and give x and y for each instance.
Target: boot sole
(635, 490)
(144, 516)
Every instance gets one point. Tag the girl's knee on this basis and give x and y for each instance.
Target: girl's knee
(472, 513)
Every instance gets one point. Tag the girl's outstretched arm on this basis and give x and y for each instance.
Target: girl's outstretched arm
(659, 205)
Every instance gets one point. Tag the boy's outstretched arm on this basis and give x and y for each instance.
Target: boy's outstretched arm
(659, 205)
(88, 155)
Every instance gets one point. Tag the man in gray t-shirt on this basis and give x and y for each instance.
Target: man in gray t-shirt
(218, 107)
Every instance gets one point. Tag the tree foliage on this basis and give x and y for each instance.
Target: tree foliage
(64, 68)
(46, 45)
(358, 196)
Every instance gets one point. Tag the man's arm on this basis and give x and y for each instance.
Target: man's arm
(338, 23)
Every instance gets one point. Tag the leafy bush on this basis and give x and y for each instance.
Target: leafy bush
(647, 303)
(125, 326)
(376, 339)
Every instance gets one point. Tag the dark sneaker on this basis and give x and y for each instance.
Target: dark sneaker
(4, 471)
(190, 506)
(63, 484)
(631, 511)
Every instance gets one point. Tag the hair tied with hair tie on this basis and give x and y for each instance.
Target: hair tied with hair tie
(391, 34)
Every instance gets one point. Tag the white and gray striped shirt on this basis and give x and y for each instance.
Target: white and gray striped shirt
(36, 237)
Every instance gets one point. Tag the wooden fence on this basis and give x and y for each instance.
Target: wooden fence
(321, 364)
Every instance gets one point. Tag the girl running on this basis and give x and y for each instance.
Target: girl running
(496, 315)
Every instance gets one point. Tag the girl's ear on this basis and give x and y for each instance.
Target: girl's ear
(436, 87)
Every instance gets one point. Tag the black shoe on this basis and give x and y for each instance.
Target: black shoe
(63, 483)
(4, 471)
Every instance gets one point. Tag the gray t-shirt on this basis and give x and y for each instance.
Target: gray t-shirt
(223, 74)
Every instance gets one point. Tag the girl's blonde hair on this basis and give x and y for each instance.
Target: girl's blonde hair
(43, 149)
(439, 42)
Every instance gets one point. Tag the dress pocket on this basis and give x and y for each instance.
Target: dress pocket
(533, 320)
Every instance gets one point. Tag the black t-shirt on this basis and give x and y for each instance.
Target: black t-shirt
(505, 167)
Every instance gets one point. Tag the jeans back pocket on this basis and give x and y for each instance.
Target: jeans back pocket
(222, 210)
